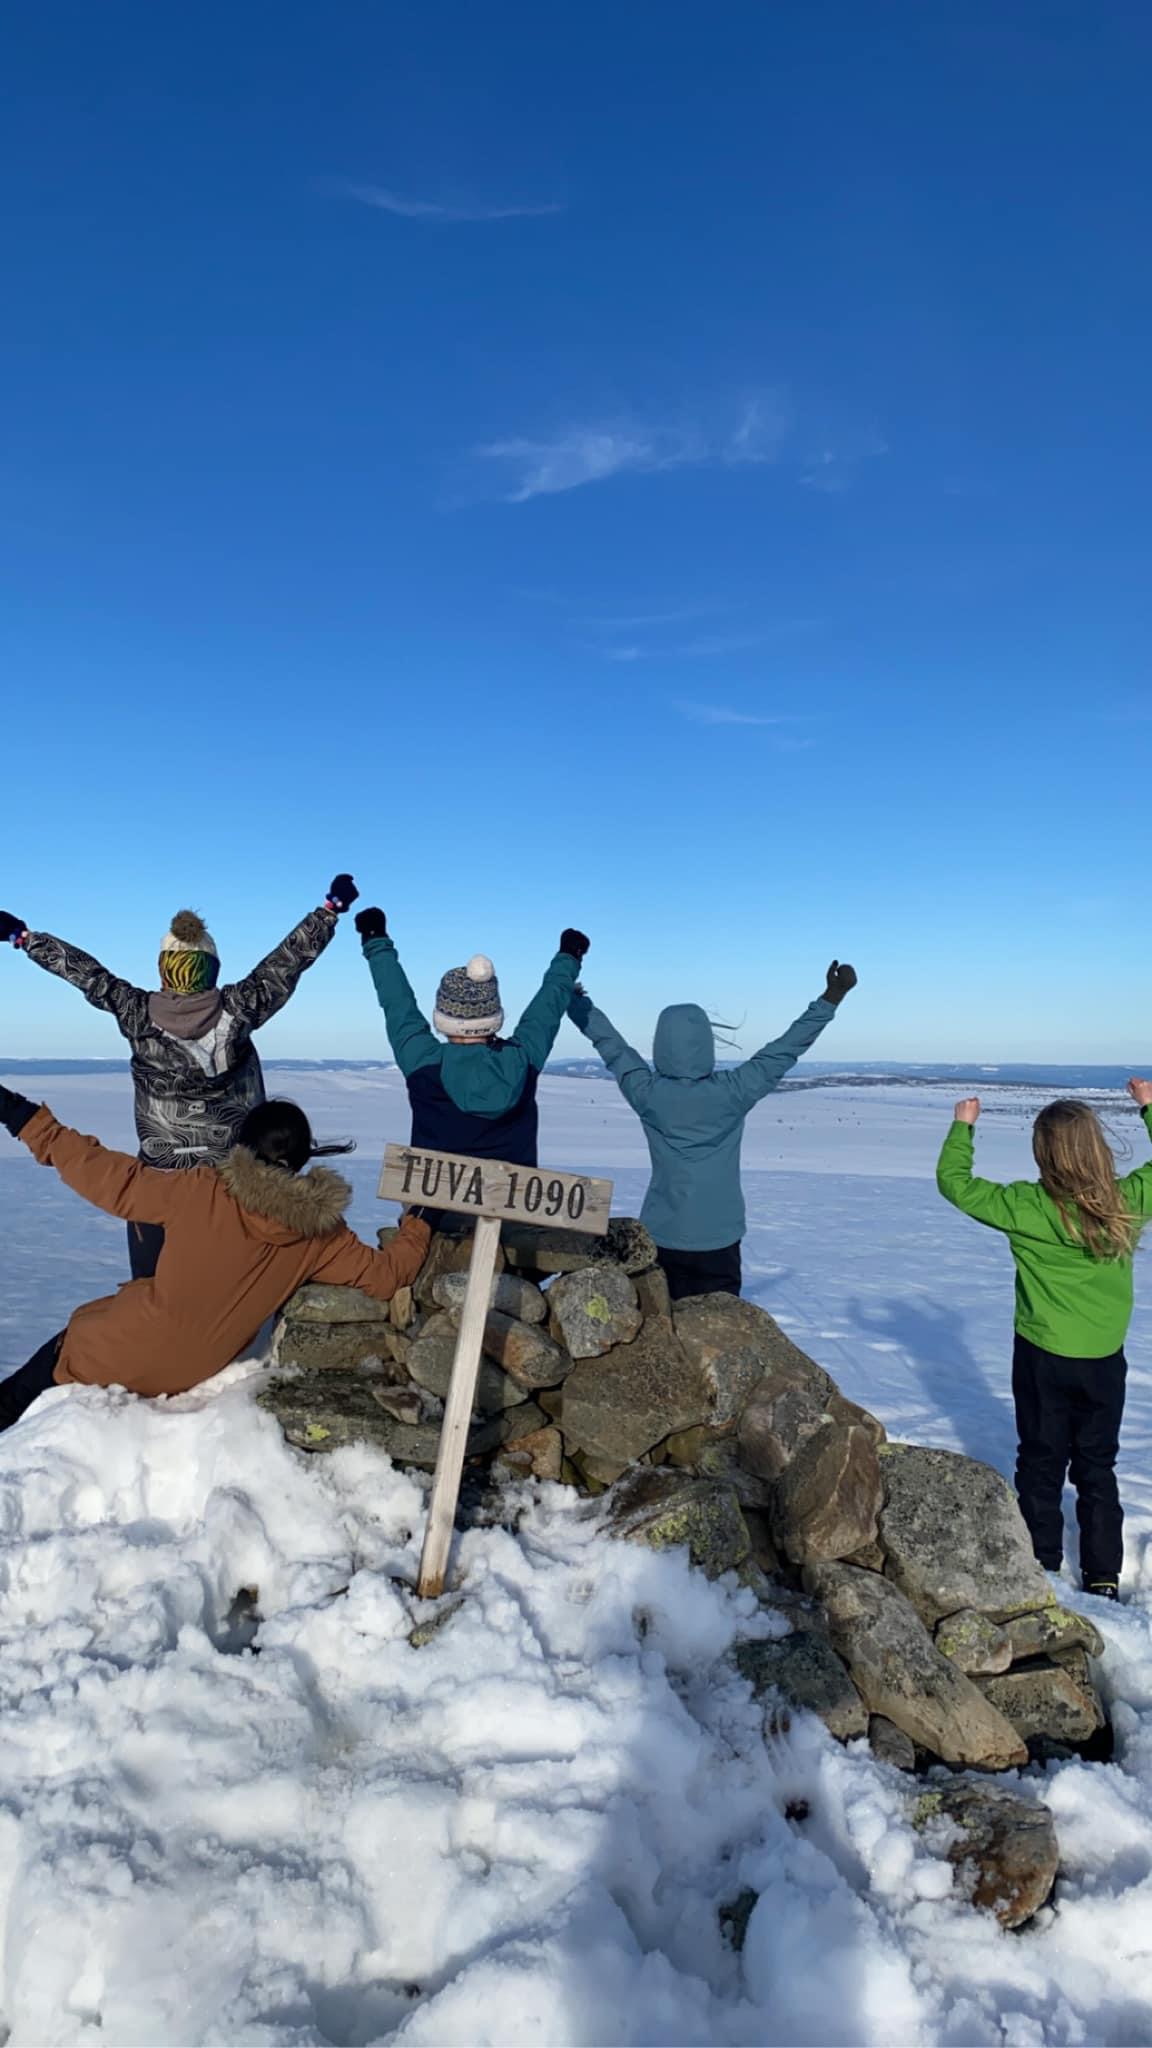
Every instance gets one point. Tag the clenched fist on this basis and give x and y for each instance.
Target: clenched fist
(966, 1112)
(1141, 1092)
(841, 979)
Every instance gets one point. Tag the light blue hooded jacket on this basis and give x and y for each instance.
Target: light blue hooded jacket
(693, 1117)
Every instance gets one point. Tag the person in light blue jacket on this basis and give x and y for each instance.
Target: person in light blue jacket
(693, 1119)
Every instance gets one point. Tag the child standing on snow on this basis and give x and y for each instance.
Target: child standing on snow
(477, 1093)
(693, 1119)
(1073, 1235)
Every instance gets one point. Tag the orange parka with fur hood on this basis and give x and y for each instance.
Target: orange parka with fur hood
(240, 1238)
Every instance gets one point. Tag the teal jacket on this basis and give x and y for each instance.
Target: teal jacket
(476, 1099)
(693, 1117)
(1066, 1300)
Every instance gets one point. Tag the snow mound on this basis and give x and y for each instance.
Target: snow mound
(521, 1831)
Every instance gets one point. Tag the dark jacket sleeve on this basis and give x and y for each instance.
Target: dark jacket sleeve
(109, 1180)
(266, 990)
(105, 991)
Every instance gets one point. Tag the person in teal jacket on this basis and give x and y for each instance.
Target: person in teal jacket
(693, 1119)
(1072, 1234)
(476, 1094)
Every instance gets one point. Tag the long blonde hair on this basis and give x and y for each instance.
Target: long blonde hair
(1079, 1172)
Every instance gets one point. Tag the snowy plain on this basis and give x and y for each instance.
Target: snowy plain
(522, 1831)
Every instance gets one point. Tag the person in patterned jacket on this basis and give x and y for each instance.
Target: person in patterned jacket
(195, 1070)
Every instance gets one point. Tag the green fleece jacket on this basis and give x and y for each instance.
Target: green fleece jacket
(1066, 1300)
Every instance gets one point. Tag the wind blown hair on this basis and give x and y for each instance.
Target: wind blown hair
(1078, 1170)
(279, 1134)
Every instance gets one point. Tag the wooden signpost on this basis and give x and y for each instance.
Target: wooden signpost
(493, 1192)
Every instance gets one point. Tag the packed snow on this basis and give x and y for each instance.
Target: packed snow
(522, 1831)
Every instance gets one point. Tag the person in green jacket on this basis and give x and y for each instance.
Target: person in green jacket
(1073, 1234)
(693, 1119)
(476, 1094)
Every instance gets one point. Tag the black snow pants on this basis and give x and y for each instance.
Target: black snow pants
(702, 1272)
(1068, 1413)
(21, 1388)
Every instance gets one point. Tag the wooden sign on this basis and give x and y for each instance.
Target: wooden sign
(493, 1192)
(490, 1187)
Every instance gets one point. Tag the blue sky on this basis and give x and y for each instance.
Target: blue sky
(678, 470)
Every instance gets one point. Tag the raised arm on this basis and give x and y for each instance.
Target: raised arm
(266, 990)
(346, 1262)
(631, 1071)
(410, 1035)
(109, 1180)
(1137, 1186)
(103, 990)
(986, 1201)
(536, 1031)
(765, 1070)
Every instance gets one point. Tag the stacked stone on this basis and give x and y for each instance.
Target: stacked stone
(920, 1617)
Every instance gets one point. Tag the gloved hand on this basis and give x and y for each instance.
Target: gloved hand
(841, 978)
(574, 943)
(12, 929)
(579, 1006)
(342, 894)
(372, 924)
(15, 1110)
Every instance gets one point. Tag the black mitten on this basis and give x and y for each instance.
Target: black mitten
(841, 979)
(342, 894)
(372, 924)
(15, 1110)
(12, 929)
(574, 943)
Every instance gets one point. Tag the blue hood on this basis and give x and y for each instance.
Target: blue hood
(684, 1048)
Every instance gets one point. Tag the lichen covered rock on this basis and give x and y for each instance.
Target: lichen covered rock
(806, 1671)
(667, 1511)
(954, 1536)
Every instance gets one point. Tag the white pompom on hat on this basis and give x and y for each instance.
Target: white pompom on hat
(189, 934)
(468, 1001)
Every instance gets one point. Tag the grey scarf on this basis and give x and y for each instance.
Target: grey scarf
(185, 1016)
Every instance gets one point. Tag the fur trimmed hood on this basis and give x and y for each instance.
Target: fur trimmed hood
(301, 1204)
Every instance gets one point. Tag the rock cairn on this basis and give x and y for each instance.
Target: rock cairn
(919, 1616)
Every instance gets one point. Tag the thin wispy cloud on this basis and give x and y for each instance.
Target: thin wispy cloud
(592, 454)
(589, 455)
(705, 647)
(404, 207)
(725, 714)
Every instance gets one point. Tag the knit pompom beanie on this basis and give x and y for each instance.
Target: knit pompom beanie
(468, 1001)
(189, 961)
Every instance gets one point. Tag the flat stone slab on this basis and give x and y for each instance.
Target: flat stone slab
(508, 1293)
(322, 1304)
(626, 1243)
(1047, 1700)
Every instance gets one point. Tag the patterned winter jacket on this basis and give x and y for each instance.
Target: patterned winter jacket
(192, 1093)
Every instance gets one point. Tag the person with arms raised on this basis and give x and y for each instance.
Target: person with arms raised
(1073, 1235)
(693, 1118)
(195, 1070)
(239, 1238)
(476, 1093)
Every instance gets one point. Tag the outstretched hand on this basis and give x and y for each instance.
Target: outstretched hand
(841, 979)
(12, 929)
(573, 943)
(342, 894)
(966, 1112)
(1141, 1092)
(372, 924)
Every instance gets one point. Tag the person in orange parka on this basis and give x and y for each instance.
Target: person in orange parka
(241, 1237)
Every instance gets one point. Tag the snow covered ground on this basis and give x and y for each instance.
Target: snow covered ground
(523, 1830)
